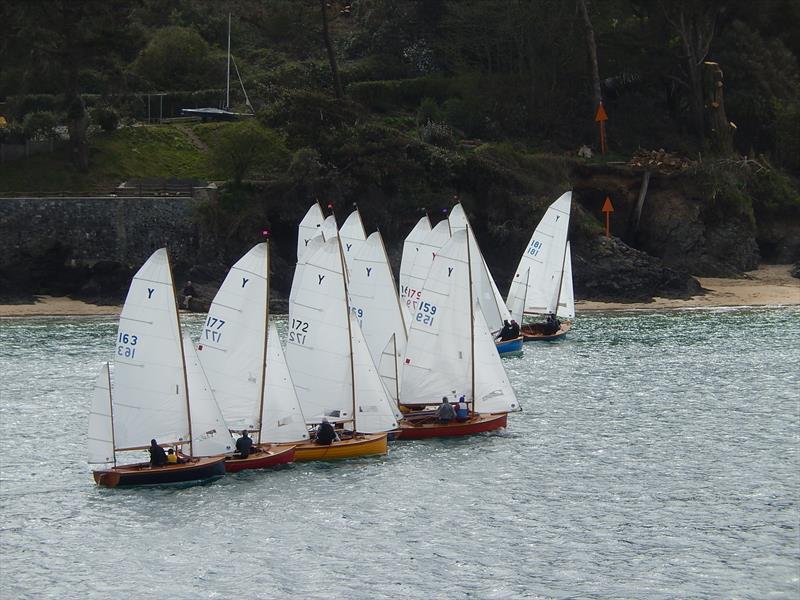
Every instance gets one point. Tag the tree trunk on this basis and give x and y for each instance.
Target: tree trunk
(591, 46)
(720, 131)
(337, 82)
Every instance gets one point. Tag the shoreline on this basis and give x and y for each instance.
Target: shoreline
(769, 285)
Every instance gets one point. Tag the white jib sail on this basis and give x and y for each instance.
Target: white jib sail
(210, 435)
(282, 420)
(544, 258)
(438, 353)
(101, 432)
(374, 407)
(389, 370)
(353, 237)
(149, 398)
(233, 337)
(309, 228)
(493, 391)
(484, 289)
(373, 298)
(411, 281)
(317, 344)
(566, 300)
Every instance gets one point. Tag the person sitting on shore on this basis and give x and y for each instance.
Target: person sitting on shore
(244, 445)
(158, 458)
(326, 434)
(445, 413)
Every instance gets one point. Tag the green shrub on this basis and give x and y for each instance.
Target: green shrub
(106, 117)
(242, 148)
(39, 125)
(428, 111)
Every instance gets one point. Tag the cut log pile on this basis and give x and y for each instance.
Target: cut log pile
(659, 160)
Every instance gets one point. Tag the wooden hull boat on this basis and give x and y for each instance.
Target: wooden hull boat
(196, 470)
(424, 425)
(270, 456)
(508, 346)
(373, 444)
(534, 332)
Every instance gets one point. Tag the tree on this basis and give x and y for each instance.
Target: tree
(238, 147)
(337, 82)
(69, 40)
(175, 58)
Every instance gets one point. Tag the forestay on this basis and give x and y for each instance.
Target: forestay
(417, 258)
(233, 338)
(210, 435)
(309, 228)
(539, 273)
(484, 289)
(101, 432)
(149, 399)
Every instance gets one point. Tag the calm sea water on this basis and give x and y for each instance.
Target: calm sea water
(656, 457)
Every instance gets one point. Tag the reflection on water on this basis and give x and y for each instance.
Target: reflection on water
(657, 456)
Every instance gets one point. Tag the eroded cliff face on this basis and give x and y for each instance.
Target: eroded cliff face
(690, 230)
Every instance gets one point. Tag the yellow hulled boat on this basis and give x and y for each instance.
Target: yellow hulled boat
(372, 444)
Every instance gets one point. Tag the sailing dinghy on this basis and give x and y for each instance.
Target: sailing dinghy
(243, 361)
(149, 398)
(330, 362)
(542, 283)
(450, 353)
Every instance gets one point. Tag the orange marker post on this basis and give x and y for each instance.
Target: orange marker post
(601, 117)
(608, 208)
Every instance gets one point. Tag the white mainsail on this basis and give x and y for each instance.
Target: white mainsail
(484, 288)
(566, 298)
(317, 346)
(373, 299)
(539, 273)
(323, 358)
(149, 399)
(314, 244)
(439, 354)
(411, 248)
(282, 420)
(420, 251)
(309, 228)
(210, 435)
(329, 229)
(232, 341)
(353, 237)
(101, 428)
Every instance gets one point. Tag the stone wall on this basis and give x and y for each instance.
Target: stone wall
(125, 230)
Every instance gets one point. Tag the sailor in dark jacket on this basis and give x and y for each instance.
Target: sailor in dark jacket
(244, 445)
(325, 433)
(158, 457)
(506, 333)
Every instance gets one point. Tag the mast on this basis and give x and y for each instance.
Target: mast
(471, 322)
(228, 79)
(183, 360)
(264, 354)
(396, 373)
(111, 412)
(349, 325)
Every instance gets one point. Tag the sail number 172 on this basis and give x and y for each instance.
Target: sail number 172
(298, 331)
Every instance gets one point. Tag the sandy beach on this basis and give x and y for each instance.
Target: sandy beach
(769, 285)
